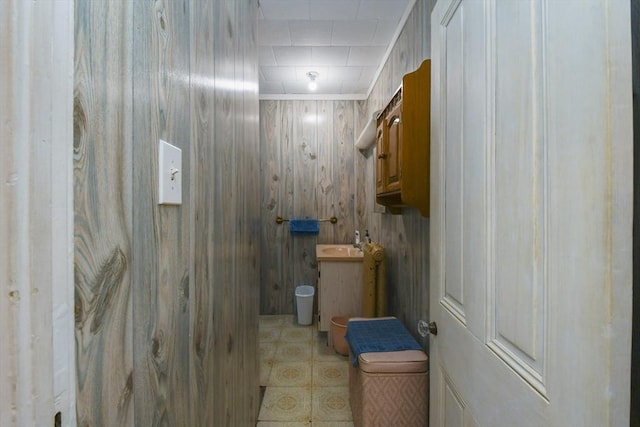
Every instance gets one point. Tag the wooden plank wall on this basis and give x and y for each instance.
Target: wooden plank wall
(35, 194)
(406, 236)
(343, 181)
(103, 228)
(166, 296)
(161, 233)
(635, 351)
(307, 163)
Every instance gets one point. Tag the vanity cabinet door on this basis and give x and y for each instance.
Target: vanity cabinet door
(339, 291)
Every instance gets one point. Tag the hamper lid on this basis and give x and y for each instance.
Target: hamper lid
(403, 361)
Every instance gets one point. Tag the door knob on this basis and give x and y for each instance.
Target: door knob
(425, 328)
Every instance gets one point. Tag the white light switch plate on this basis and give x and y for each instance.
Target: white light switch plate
(169, 174)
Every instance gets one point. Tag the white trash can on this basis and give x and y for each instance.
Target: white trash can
(304, 299)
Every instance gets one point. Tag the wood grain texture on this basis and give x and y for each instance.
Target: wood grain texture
(185, 72)
(307, 162)
(224, 105)
(247, 373)
(326, 191)
(360, 165)
(103, 206)
(161, 233)
(343, 171)
(635, 351)
(305, 169)
(273, 200)
(202, 318)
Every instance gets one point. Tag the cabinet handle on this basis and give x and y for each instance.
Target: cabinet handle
(382, 156)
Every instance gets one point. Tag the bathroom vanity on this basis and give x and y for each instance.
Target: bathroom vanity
(339, 283)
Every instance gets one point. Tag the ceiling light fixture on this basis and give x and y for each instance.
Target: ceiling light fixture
(313, 75)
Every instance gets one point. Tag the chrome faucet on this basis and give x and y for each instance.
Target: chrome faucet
(356, 242)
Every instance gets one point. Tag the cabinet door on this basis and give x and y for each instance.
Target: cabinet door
(393, 149)
(380, 149)
(340, 291)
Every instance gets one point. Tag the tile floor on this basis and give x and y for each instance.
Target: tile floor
(306, 382)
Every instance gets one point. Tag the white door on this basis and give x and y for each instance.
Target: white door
(531, 213)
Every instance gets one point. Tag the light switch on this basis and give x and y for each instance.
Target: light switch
(169, 174)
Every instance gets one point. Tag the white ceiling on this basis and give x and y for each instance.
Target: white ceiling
(344, 41)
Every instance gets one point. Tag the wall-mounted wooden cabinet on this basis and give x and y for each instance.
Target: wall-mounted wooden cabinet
(402, 144)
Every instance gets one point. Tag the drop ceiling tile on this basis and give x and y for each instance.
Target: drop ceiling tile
(334, 9)
(329, 87)
(273, 33)
(300, 87)
(365, 55)
(382, 9)
(359, 86)
(292, 55)
(271, 87)
(344, 73)
(353, 33)
(330, 55)
(278, 73)
(297, 87)
(310, 33)
(265, 56)
(285, 9)
(301, 72)
(343, 40)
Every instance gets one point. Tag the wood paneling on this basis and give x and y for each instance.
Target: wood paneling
(305, 202)
(307, 162)
(161, 233)
(103, 206)
(186, 354)
(635, 352)
(343, 172)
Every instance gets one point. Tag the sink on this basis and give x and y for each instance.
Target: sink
(338, 253)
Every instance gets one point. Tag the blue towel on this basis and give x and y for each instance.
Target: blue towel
(378, 335)
(304, 226)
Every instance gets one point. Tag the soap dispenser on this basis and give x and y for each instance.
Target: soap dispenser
(367, 238)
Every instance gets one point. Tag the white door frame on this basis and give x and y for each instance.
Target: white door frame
(37, 360)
